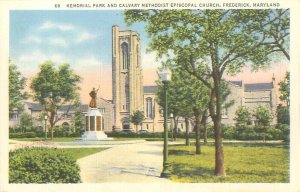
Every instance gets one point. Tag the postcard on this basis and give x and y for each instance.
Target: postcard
(149, 96)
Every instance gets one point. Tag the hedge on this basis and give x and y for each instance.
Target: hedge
(247, 132)
(26, 135)
(42, 165)
(57, 133)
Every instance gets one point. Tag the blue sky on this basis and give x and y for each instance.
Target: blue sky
(65, 36)
(80, 38)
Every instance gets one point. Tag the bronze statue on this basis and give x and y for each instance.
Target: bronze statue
(93, 95)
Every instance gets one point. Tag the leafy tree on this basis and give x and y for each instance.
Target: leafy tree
(187, 97)
(78, 120)
(207, 44)
(284, 88)
(242, 116)
(54, 87)
(25, 122)
(174, 97)
(263, 116)
(137, 118)
(276, 30)
(283, 114)
(17, 84)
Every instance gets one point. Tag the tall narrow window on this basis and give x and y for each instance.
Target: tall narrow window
(137, 55)
(224, 111)
(127, 96)
(125, 56)
(149, 107)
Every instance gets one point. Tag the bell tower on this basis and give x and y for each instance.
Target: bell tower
(126, 76)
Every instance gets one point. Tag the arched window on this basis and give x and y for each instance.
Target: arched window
(149, 111)
(125, 56)
(65, 125)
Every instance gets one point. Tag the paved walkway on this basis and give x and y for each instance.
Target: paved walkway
(139, 162)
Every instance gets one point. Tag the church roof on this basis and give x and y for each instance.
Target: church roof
(258, 86)
(150, 89)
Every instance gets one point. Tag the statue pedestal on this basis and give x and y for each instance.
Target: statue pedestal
(94, 126)
(94, 136)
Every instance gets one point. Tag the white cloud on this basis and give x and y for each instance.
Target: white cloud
(58, 42)
(88, 62)
(35, 56)
(149, 60)
(30, 61)
(60, 26)
(85, 36)
(31, 40)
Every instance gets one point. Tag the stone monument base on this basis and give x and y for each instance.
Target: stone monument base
(94, 136)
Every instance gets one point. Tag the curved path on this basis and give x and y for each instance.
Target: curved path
(138, 162)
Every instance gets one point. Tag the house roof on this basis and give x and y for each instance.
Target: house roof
(238, 83)
(258, 86)
(150, 89)
(34, 106)
(73, 108)
(38, 107)
(247, 87)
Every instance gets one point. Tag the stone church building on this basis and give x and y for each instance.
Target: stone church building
(129, 95)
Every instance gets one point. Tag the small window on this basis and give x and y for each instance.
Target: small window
(102, 110)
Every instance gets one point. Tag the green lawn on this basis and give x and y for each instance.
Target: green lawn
(246, 163)
(78, 153)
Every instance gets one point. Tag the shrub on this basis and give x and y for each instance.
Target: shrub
(283, 114)
(229, 132)
(23, 135)
(263, 116)
(273, 133)
(285, 131)
(242, 116)
(42, 165)
(248, 133)
(136, 135)
(26, 122)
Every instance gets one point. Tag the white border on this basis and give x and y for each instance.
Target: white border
(294, 185)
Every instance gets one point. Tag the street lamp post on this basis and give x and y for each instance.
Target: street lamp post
(165, 76)
(45, 118)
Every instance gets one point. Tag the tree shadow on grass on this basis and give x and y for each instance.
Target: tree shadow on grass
(183, 171)
(180, 152)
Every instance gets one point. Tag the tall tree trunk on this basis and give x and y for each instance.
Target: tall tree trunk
(175, 127)
(216, 116)
(187, 132)
(52, 114)
(204, 126)
(197, 130)
(172, 130)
